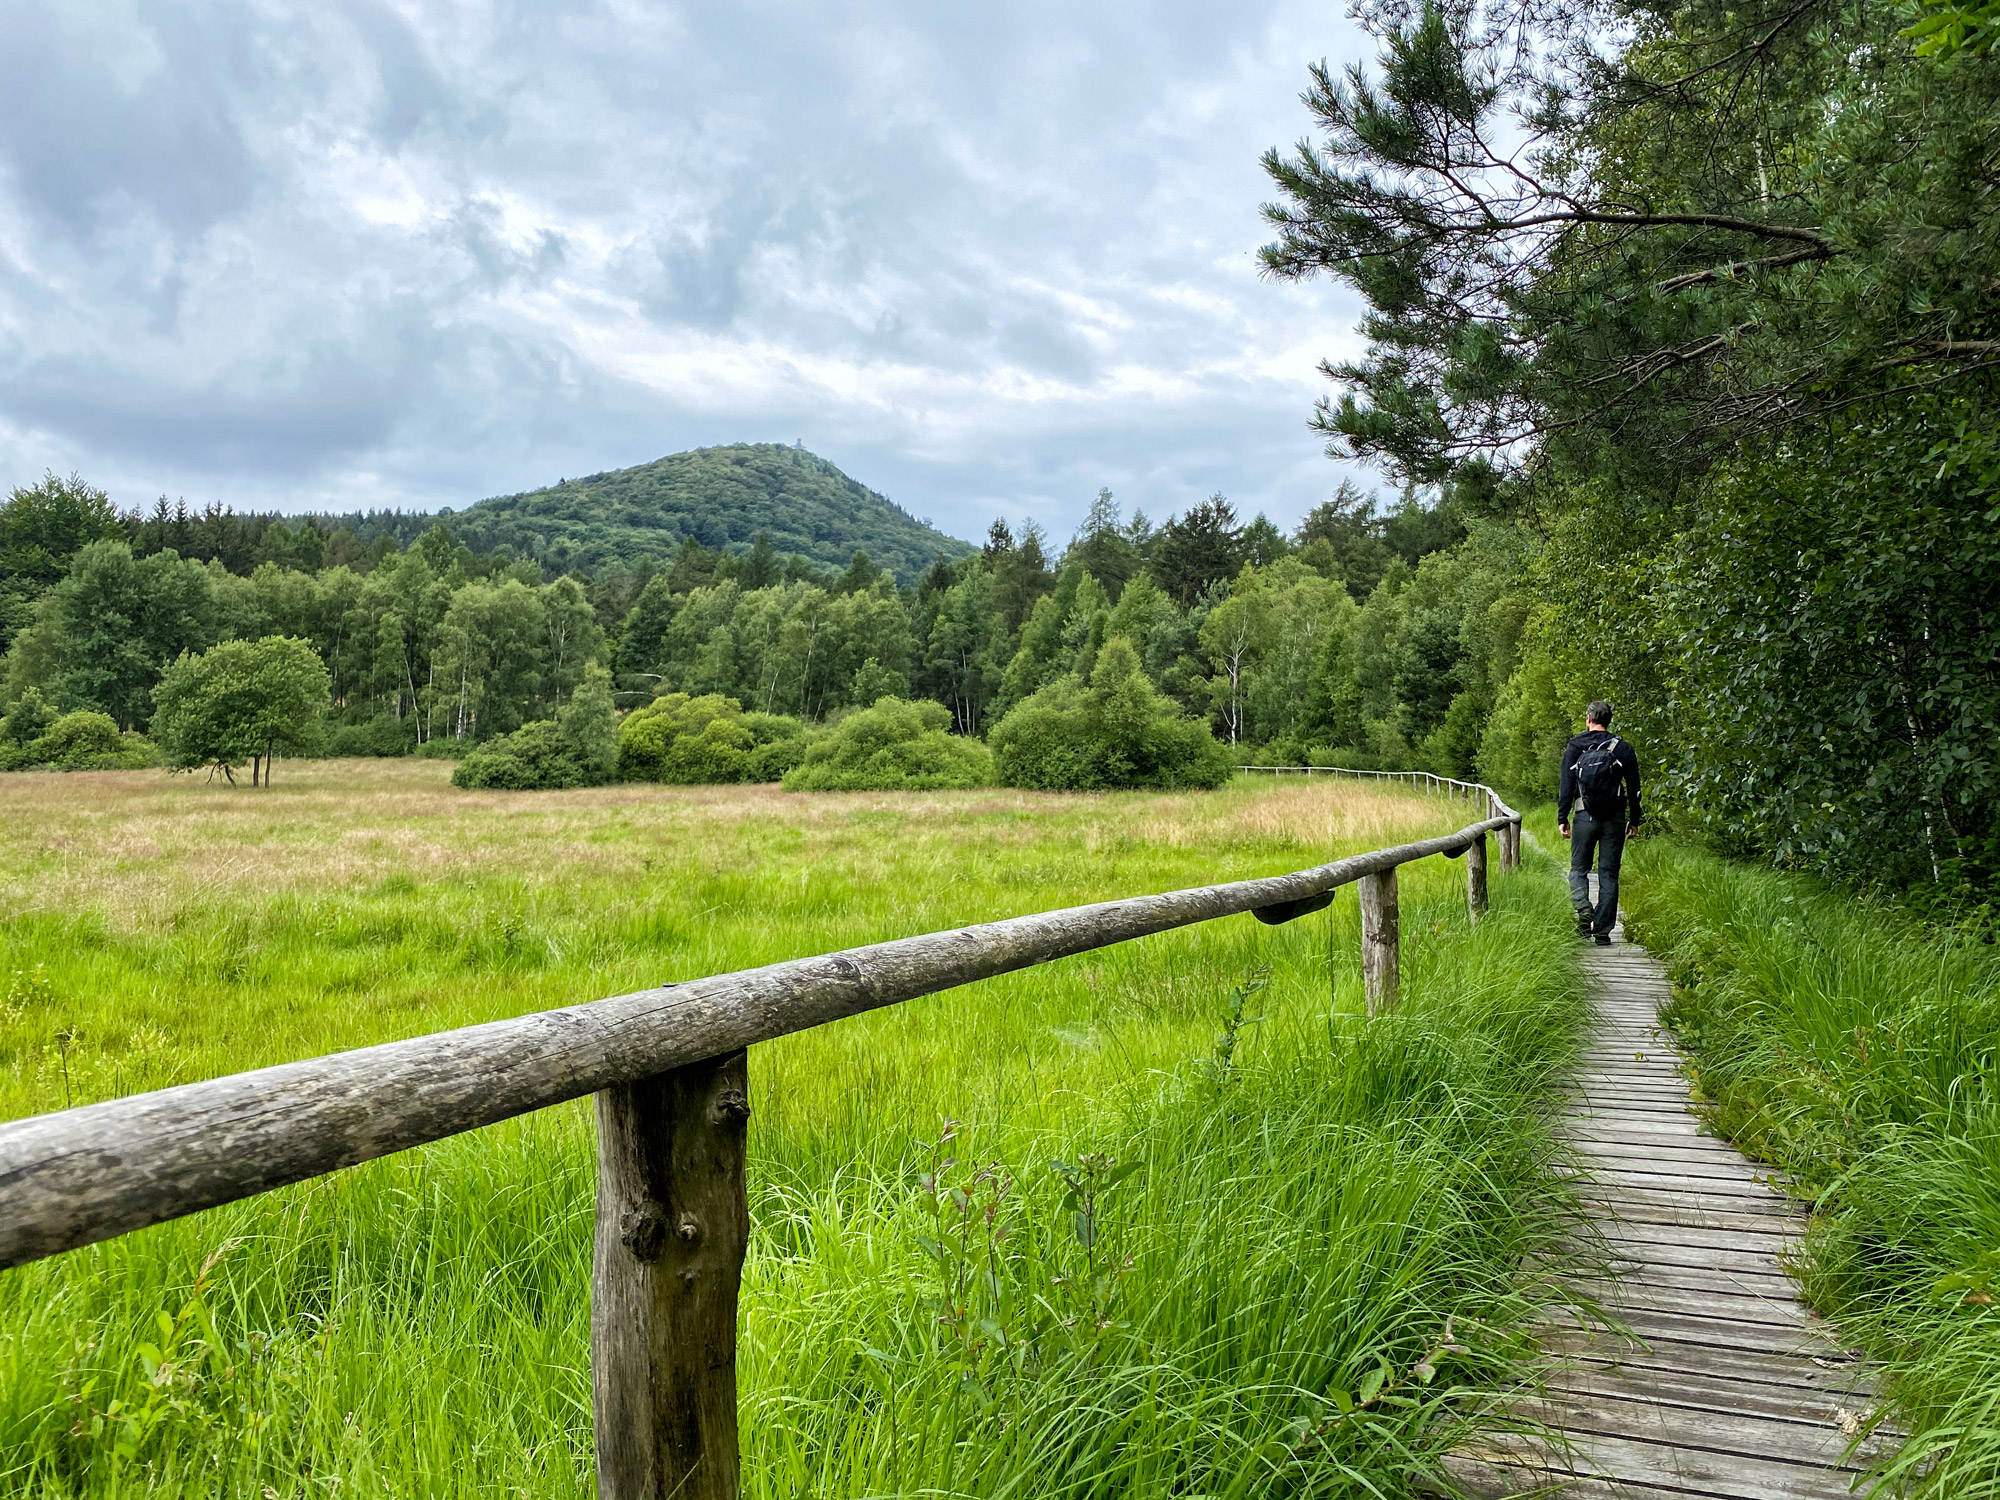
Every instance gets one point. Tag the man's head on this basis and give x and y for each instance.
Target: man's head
(1598, 715)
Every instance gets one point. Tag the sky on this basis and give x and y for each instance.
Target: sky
(359, 254)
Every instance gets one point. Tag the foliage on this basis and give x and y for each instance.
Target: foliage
(578, 747)
(721, 497)
(1735, 223)
(685, 740)
(239, 701)
(1832, 636)
(104, 634)
(894, 746)
(1115, 730)
(32, 737)
(1852, 1047)
(43, 527)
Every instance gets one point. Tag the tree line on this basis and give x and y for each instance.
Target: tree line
(1342, 637)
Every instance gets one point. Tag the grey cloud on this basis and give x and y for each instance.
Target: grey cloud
(985, 258)
(95, 127)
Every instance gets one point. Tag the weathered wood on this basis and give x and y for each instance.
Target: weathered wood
(1475, 877)
(87, 1174)
(672, 1225)
(1381, 961)
(1711, 1379)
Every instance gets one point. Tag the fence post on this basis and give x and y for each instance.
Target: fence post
(1381, 969)
(1510, 846)
(1475, 877)
(672, 1224)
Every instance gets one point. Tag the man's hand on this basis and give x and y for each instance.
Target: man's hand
(1563, 828)
(1630, 829)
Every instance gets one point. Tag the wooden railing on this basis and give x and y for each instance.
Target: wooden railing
(668, 1069)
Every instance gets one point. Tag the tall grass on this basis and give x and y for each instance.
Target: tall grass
(1856, 1048)
(1253, 1248)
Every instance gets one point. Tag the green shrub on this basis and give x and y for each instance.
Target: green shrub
(444, 749)
(25, 723)
(894, 746)
(1114, 731)
(578, 747)
(378, 736)
(87, 741)
(688, 741)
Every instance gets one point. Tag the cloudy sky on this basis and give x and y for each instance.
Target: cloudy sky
(985, 258)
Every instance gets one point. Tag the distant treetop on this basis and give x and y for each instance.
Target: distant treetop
(721, 497)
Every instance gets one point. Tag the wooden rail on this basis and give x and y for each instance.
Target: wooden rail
(668, 1068)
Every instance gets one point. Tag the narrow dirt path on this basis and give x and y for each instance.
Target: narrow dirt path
(1720, 1383)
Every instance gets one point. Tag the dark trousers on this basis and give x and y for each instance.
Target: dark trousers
(1605, 838)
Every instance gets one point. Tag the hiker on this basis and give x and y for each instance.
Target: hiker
(1600, 774)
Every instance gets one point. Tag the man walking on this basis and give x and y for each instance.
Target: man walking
(1600, 775)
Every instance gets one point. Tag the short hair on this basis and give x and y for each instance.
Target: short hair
(1599, 713)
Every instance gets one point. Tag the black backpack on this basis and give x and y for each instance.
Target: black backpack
(1599, 777)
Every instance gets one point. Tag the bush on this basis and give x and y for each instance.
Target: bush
(377, 736)
(85, 741)
(687, 741)
(1114, 731)
(27, 722)
(578, 747)
(894, 746)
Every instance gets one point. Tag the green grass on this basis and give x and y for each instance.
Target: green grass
(1856, 1048)
(1257, 1309)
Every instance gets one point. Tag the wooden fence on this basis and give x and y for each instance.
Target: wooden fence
(668, 1069)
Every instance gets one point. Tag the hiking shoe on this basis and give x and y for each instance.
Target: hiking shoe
(1603, 940)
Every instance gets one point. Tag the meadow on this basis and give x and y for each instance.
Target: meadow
(1171, 1218)
(1853, 1045)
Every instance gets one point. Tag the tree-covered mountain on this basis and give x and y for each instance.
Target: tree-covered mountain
(721, 497)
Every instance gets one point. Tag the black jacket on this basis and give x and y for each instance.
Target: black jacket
(1625, 801)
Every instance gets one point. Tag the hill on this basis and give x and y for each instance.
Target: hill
(722, 497)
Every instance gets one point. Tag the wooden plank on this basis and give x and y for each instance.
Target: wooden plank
(1685, 1245)
(1723, 1476)
(1682, 1187)
(1654, 1327)
(1782, 1403)
(1632, 1210)
(1626, 1294)
(1674, 1160)
(1732, 1279)
(1636, 1414)
(1850, 1382)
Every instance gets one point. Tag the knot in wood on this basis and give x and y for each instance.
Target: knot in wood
(690, 1229)
(642, 1229)
(732, 1104)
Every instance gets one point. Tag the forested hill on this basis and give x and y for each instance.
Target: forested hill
(722, 497)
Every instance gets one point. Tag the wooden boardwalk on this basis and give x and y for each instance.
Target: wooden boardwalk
(1720, 1383)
